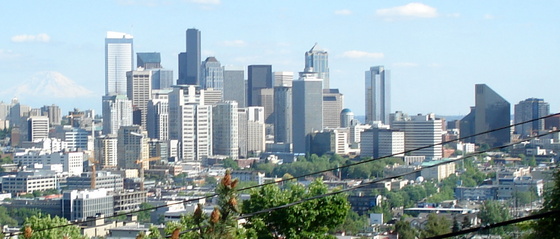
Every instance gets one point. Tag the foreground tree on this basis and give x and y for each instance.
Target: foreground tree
(547, 227)
(34, 228)
(310, 219)
(494, 212)
(436, 225)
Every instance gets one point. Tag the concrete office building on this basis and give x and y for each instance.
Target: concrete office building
(333, 102)
(29, 181)
(283, 114)
(225, 129)
(72, 162)
(376, 142)
(132, 146)
(118, 60)
(117, 112)
(378, 94)
(139, 91)
(318, 59)
(420, 131)
(242, 131)
(307, 105)
(530, 109)
(38, 128)
(157, 119)
(283, 78)
(235, 85)
(79, 205)
(53, 112)
(190, 122)
(212, 74)
(106, 151)
(103, 180)
(255, 130)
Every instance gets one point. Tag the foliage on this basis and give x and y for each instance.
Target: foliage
(210, 181)
(436, 225)
(547, 227)
(144, 216)
(230, 163)
(493, 212)
(56, 226)
(6, 218)
(20, 214)
(154, 233)
(309, 219)
(353, 223)
(385, 209)
(404, 230)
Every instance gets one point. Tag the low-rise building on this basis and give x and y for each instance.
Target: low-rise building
(29, 181)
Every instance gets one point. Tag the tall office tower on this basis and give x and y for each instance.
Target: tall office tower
(283, 114)
(530, 109)
(117, 112)
(148, 60)
(190, 122)
(119, 59)
(307, 106)
(421, 131)
(157, 119)
(283, 78)
(318, 59)
(225, 126)
(346, 118)
(490, 112)
(106, 151)
(259, 77)
(139, 91)
(378, 95)
(132, 148)
(53, 112)
(4, 110)
(242, 131)
(266, 100)
(212, 96)
(162, 79)
(333, 102)
(255, 130)
(378, 142)
(189, 62)
(212, 74)
(234, 85)
(38, 128)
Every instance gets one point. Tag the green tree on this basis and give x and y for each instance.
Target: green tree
(144, 215)
(6, 218)
(436, 225)
(493, 212)
(404, 230)
(353, 223)
(547, 227)
(230, 163)
(154, 233)
(310, 219)
(57, 228)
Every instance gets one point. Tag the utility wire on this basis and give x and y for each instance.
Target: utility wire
(323, 171)
(248, 215)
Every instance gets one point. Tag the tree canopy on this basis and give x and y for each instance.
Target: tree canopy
(35, 226)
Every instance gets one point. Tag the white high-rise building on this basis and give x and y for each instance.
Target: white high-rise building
(378, 94)
(117, 112)
(132, 148)
(158, 119)
(225, 129)
(38, 127)
(421, 131)
(72, 162)
(106, 151)
(119, 59)
(255, 130)
(333, 103)
(190, 122)
(283, 78)
(139, 91)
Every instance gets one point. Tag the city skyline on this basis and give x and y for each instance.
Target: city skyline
(436, 50)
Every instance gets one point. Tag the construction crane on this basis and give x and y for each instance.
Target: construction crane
(93, 169)
(141, 169)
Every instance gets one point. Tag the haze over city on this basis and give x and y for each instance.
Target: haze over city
(436, 50)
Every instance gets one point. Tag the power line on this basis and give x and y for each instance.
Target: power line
(344, 166)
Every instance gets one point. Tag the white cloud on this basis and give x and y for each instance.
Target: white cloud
(405, 64)
(48, 84)
(409, 10)
(489, 16)
(42, 37)
(362, 54)
(206, 2)
(343, 12)
(234, 43)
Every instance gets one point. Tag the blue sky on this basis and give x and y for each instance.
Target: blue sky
(436, 50)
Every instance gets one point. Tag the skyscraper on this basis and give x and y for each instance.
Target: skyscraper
(119, 59)
(225, 129)
(157, 119)
(148, 60)
(139, 91)
(307, 105)
(212, 74)
(333, 102)
(234, 85)
(378, 94)
(318, 59)
(260, 77)
(421, 131)
(38, 127)
(283, 114)
(189, 62)
(530, 109)
(117, 112)
(490, 112)
(132, 147)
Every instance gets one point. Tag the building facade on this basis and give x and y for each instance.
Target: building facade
(527, 110)
(307, 105)
(378, 94)
(318, 59)
(119, 56)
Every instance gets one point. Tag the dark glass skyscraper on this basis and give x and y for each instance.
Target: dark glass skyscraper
(491, 112)
(318, 59)
(189, 62)
(530, 109)
(234, 85)
(378, 94)
(260, 77)
(148, 60)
